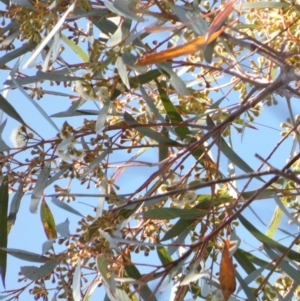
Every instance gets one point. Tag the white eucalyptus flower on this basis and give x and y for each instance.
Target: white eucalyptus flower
(19, 136)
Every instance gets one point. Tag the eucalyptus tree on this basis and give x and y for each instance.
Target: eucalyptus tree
(140, 105)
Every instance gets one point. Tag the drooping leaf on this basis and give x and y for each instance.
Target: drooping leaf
(122, 72)
(56, 76)
(38, 107)
(76, 284)
(15, 204)
(3, 146)
(147, 131)
(47, 220)
(244, 258)
(284, 265)
(144, 78)
(77, 49)
(244, 261)
(191, 18)
(37, 273)
(63, 228)
(174, 116)
(8, 57)
(7, 108)
(24, 255)
(163, 255)
(230, 154)
(3, 227)
(226, 274)
(102, 267)
(39, 187)
(186, 49)
(47, 245)
(100, 123)
(278, 215)
(65, 206)
(120, 7)
(121, 295)
(171, 213)
(270, 243)
(144, 290)
(245, 287)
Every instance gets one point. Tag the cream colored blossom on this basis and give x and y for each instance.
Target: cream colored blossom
(19, 136)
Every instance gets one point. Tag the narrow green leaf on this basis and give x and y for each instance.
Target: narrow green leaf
(268, 241)
(230, 154)
(244, 261)
(176, 82)
(241, 255)
(7, 108)
(171, 213)
(285, 266)
(121, 9)
(16, 53)
(152, 106)
(106, 26)
(178, 228)
(3, 146)
(81, 54)
(100, 123)
(266, 194)
(76, 283)
(48, 220)
(65, 206)
(56, 76)
(163, 255)
(38, 107)
(172, 113)
(102, 267)
(277, 215)
(37, 273)
(3, 227)
(179, 240)
(163, 150)
(27, 256)
(199, 26)
(149, 132)
(122, 72)
(245, 287)
(144, 290)
(122, 295)
(15, 204)
(39, 187)
(209, 51)
(275, 222)
(145, 78)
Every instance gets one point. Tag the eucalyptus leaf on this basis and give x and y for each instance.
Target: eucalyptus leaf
(39, 187)
(37, 273)
(122, 72)
(27, 256)
(76, 284)
(7, 108)
(15, 204)
(171, 213)
(65, 206)
(3, 227)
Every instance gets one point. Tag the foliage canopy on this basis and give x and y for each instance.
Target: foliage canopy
(161, 91)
